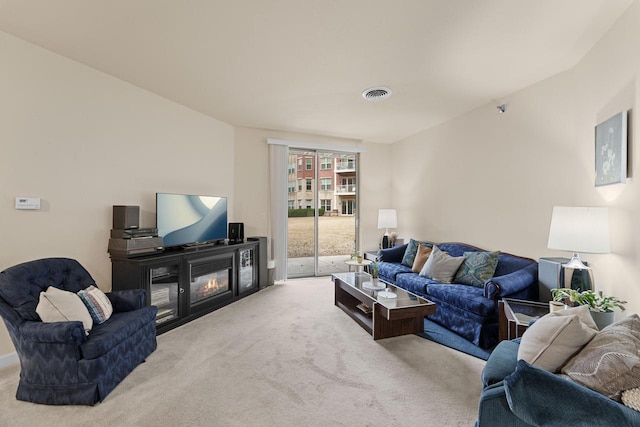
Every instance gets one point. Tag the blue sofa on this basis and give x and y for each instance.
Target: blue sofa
(60, 363)
(517, 394)
(469, 311)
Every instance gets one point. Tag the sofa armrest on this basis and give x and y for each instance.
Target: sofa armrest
(541, 398)
(394, 254)
(127, 300)
(512, 283)
(53, 332)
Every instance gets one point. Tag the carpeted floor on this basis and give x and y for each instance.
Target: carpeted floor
(285, 356)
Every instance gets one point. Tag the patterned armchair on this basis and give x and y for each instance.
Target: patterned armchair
(60, 363)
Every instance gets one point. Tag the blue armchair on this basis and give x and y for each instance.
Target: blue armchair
(60, 363)
(517, 394)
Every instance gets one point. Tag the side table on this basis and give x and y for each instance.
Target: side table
(360, 266)
(515, 315)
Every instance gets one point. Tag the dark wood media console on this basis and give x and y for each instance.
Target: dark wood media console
(188, 283)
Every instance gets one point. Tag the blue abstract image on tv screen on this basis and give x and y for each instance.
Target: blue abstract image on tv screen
(185, 219)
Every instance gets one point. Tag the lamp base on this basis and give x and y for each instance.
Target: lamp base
(385, 241)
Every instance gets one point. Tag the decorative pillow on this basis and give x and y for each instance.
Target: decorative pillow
(410, 253)
(57, 305)
(631, 398)
(97, 303)
(610, 363)
(478, 267)
(421, 257)
(441, 266)
(555, 337)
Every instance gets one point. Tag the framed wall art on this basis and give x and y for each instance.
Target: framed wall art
(611, 150)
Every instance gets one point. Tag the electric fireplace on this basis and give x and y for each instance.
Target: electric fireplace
(210, 279)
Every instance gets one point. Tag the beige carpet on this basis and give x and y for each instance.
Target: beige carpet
(285, 356)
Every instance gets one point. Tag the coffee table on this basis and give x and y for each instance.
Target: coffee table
(380, 317)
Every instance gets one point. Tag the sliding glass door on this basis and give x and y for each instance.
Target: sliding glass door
(322, 216)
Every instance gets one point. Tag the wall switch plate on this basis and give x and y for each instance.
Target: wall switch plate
(27, 202)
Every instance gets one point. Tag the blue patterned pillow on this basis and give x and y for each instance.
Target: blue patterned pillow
(411, 251)
(97, 303)
(478, 267)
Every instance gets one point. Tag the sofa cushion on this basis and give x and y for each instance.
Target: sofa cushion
(97, 303)
(421, 257)
(610, 363)
(57, 305)
(118, 328)
(414, 283)
(441, 266)
(391, 270)
(556, 337)
(477, 268)
(464, 297)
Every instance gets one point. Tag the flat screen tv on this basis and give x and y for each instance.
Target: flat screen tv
(188, 219)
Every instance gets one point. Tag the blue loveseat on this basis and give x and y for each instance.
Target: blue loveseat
(469, 311)
(517, 394)
(60, 363)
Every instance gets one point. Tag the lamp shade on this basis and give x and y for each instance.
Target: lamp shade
(387, 218)
(580, 229)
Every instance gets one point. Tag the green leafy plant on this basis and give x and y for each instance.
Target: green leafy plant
(596, 302)
(374, 269)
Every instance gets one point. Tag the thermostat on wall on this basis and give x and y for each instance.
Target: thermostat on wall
(27, 202)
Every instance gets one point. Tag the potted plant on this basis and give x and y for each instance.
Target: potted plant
(374, 269)
(601, 306)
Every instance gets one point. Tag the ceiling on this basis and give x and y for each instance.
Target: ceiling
(301, 65)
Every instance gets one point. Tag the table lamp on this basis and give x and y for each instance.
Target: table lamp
(387, 218)
(579, 229)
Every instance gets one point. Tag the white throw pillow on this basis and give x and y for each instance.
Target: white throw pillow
(554, 338)
(56, 305)
(441, 266)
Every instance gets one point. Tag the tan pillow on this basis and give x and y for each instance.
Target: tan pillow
(557, 336)
(421, 257)
(610, 363)
(56, 305)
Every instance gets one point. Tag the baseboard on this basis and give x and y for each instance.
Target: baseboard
(7, 360)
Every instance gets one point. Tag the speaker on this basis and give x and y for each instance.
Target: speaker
(236, 232)
(126, 217)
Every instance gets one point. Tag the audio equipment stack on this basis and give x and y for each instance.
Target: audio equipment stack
(128, 239)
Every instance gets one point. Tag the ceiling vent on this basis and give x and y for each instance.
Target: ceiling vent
(376, 93)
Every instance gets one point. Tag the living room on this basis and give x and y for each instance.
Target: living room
(83, 140)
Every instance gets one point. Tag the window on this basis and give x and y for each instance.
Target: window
(292, 168)
(299, 203)
(299, 163)
(325, 184)
(291, 204)
(308, 203)
(325, 204)
(299, 184)
(292, 187)
(309, 161)
(325, 163)
(308, 184)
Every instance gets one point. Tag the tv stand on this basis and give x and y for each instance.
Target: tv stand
(186, 283)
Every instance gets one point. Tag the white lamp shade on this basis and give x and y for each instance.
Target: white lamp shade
(387, 218)
(580, 229)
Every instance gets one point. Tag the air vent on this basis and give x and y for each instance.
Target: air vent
(376, 93)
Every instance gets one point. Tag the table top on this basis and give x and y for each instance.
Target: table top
(522, 311)
(355, 262)
(403, 298)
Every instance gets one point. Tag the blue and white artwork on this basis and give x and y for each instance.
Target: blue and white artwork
(611, 150)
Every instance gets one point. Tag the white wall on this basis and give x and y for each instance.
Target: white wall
(492, 179)
(83, 141)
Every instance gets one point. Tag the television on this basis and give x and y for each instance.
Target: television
(189, 219)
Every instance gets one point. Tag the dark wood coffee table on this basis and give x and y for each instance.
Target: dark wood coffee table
(380, 317)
